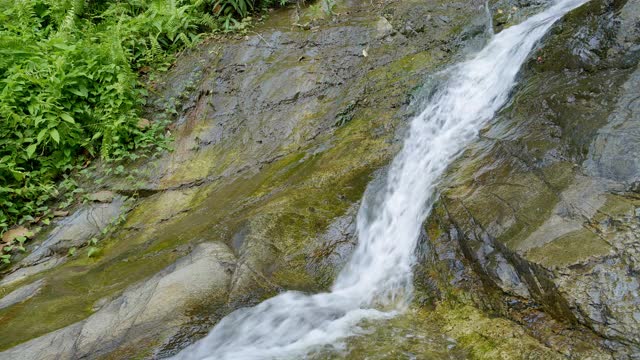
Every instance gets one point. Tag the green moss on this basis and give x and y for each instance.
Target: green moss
(414, 334)
(617, 207)
(450, 331)
(326, 183)
(490, 338)
(506, 195)
(574, 247)
(70, 292)
(286, 204)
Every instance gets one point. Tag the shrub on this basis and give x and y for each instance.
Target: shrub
(69, 87)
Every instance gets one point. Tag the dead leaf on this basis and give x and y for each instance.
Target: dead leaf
(104, 196)
(144, 69)
(15, 233)
(60, 213)
(143, 123)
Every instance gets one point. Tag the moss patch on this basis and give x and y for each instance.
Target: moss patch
(490, 338)
(572, 248)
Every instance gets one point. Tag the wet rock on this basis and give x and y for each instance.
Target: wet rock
(72, 231)
(154, 309)
(447, 332)
(615, 152)
(262, 164)
(334, 247)
(21, 294)
(543, 204)
(506, 13)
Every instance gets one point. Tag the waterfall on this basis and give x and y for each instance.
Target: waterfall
(377, 281)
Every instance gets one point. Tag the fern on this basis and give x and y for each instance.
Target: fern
(69, 85)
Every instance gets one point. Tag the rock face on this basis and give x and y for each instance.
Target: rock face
(545, 205)
(143, 313)
(277, 135)
(21, 294)
(72, 231)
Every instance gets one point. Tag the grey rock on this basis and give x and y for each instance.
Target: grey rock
(615, 152)
(152, 309)
(77, 229)
(72, 231)
(254, 161)
(384, 28)
(24, 271)
(544, 204)
(21, 294)
(509, 278)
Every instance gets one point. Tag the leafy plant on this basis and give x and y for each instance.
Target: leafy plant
(5, 259)
(231, 11)
(229, 8)
(70, 89)
(321, 9)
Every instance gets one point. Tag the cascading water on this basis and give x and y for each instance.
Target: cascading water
(377, 282)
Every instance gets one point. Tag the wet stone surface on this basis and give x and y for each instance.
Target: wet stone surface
(542, 206)
(532, 245)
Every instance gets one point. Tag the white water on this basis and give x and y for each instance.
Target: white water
(377, 282)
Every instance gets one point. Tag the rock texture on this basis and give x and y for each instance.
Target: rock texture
(279, 131)
(277, 135)
(21, 294)
(72, 231)
(143, 313)
(544, 206)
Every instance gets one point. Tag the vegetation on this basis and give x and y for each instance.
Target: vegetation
(70, 86)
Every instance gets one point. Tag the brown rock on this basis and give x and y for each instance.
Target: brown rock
(104, 196)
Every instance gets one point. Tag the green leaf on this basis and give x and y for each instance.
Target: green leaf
(55, 135)
(93, 251)
(67, 118)
(82, 91)
(41, 134)
(31, 149)
(64, 46)
(18, 175)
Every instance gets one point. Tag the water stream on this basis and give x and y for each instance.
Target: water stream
(377, 281)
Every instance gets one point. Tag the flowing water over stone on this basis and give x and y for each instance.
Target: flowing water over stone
(377, 282)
